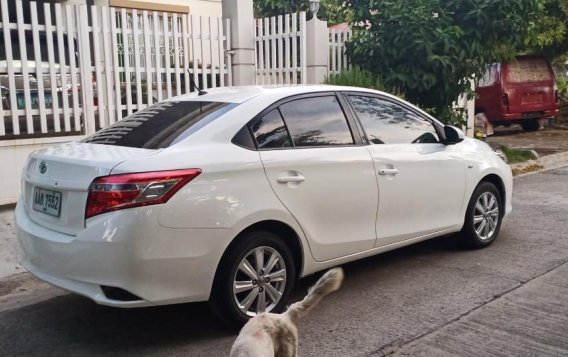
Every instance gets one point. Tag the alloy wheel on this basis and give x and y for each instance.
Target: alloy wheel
(260, 281)
(486, 216)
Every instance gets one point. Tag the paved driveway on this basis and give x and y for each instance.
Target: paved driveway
(425, 300)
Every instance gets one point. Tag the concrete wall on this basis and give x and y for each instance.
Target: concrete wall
(205, 7)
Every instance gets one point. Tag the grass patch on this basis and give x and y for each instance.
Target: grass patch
(515, 156)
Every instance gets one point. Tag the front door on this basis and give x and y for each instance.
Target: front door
(421, 181)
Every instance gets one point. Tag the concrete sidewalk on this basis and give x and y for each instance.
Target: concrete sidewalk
(9, 263)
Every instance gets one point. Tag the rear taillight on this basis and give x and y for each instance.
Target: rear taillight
(505, 100)
(115, 192)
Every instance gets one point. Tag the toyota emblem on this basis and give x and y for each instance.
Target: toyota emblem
(42, 167)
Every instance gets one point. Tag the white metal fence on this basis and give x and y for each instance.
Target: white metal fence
(338, 60)
(281, 49)
(70, 70)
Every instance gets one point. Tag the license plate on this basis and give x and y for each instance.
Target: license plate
(533, 115)
(47, 201)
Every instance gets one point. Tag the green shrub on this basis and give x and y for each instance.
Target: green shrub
(357, 77)
(562, 85)
(451, 116)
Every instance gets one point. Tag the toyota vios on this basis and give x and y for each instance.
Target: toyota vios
(233, 195)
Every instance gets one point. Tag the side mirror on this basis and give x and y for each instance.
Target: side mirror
(453, 135)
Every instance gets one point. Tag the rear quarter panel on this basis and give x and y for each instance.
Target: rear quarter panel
(232, 191)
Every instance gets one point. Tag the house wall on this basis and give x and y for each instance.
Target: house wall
(205, 7)
(194, 7)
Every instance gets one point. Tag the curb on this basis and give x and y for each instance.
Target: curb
(543, 163)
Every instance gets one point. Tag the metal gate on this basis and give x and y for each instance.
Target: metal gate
(71, 70)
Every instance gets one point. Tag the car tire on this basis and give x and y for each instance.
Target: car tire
(483, 216)
(530, 125)
(239, 279)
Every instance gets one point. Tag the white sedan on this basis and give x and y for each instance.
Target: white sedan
(233, 195)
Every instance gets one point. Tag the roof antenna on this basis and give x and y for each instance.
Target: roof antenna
(194, 85)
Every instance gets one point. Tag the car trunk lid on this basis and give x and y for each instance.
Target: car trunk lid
(56, 181)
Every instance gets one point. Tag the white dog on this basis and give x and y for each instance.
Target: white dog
(268, 334)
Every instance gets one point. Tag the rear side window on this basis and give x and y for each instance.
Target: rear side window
(490, 77)
(316, 121)
(528, 70)
(270, 131)
(160, 125)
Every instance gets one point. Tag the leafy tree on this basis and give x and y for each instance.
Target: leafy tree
(429, 49)
(548, 32)
(330, 10)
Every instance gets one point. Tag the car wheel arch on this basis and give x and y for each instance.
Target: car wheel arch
(288, 235)
(498, 182)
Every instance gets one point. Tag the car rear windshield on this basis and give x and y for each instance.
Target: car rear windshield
(529, 70)
(160, 125)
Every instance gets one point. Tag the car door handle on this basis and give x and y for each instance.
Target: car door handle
(388, 171)
(287, 179)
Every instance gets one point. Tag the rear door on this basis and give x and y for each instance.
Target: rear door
(321, 174)
(529, 85)
(421, 181)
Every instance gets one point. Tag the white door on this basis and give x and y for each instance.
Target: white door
(421, 181)
(321, 174)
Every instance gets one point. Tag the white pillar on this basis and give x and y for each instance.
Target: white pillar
(317, 43)
(242, 40)
(471, 112)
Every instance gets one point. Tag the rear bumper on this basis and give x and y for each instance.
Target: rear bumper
(530, 115)
(128, 250)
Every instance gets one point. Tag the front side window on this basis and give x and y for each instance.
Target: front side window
(316, 121)
(160, 125)
(386, 122)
